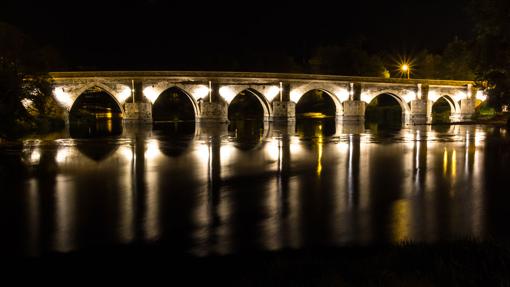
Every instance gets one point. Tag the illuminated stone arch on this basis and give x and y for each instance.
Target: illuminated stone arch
(110, 92)
(114, 93)
(264, 102)
(450, 99)
(368, 97)
(193, 101)
(337, 93)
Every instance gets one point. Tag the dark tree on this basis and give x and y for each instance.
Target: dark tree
(492, 47)
(25, 87)
(454, 63)
(346, 60)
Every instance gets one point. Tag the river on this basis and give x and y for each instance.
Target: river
(218, 189)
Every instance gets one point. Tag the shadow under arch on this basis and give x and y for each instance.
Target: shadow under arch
(246, 134)
(175, 138)
(97, 149)
(443, 108)
(94, 114)
(249, 104)
(95, 103)
(386, 110)
(315, 128)
(175, 105)
(247, 113)
(318, 103)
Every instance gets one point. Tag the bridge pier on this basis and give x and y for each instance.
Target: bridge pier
(354, 111)
(139, 110)
(213, 112)
(421, 112)
(284, 111)
(467, 110)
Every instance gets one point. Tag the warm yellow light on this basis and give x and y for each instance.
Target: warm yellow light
(405, 67)
(227, 93)
(151, 94)
(342, 94)
(63, 97)
(295, 95)
(201, 91)
(272, 92)
(62, 154)
(445, 161)
(124, 94)
(152, 150)
(481, 96)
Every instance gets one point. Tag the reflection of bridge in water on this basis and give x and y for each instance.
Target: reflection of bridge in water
(338, 179)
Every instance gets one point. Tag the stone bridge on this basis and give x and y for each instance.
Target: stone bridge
(210, 93)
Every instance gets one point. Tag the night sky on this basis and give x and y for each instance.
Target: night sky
(153, 34)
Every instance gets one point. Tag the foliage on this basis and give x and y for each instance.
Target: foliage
(492, 47)
(346, 60)
(24, 82)
(453, 63)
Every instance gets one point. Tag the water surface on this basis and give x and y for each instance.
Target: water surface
(219, 189)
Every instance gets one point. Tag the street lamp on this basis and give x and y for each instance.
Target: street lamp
(405, 69)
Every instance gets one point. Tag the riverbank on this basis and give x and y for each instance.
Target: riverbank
(39, 127)
(458, 263)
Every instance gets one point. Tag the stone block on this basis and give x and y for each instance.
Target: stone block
(354, 111)
(141, 112)
(213, 112)
(284, 111)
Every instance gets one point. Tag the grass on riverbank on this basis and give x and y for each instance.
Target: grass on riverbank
(458, 263)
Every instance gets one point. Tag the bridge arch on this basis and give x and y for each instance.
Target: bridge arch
(337, 103)
(338, 92)
(404, 106)
(264, 103)
(163, 95)
(397, 95)
(454, 105)
(101, 100)
(111, 92)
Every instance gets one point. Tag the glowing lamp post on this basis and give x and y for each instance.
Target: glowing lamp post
(405, 69)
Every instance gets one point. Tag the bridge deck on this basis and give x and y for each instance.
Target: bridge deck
(251, 76)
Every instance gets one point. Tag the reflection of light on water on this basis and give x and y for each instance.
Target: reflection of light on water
(350, 177)
(271, 225)
(126, 153)
(202, 152)
(31, 152)
(295, 147)
(227, 153)
(109, 123)
(320, 143)
(151, 223)
(203, 155)
(417, 157)
(33, 215)
(408, 136)
(319, 158)
(35, 157)
(343, 147)
(445, 161)
(454, 163)
(65, 213)
(401, 220)
(62, 154)
(152, 151)
(126, 214)
(479, 138)
(272, 149)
